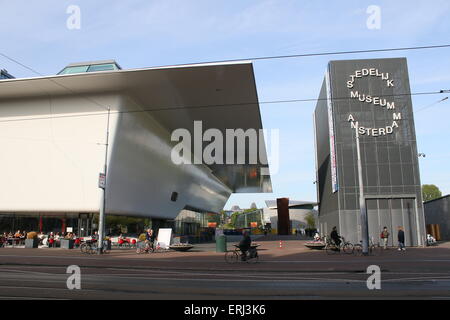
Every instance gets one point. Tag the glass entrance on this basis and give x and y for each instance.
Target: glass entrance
(392, 213)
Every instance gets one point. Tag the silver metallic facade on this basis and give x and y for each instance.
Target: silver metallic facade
(373, 95)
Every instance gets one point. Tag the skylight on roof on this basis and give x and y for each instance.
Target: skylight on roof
(71, 69)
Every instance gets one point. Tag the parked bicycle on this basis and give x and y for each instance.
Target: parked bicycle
(91, 247)
(332, 248)
(234, 256)
(145, 247)
(373, 249)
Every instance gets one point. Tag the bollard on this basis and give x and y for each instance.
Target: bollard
(281, 244)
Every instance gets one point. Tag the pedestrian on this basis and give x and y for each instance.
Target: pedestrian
(384, 237)
(401, 239)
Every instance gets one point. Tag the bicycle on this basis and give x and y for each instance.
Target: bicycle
(145, 248)
(372, 249)
(332, 248)
(91, 247)
(251, 256)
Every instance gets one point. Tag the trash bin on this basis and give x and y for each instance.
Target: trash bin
(221, 243)
(67, 243)
(107, 244)
(31, 243)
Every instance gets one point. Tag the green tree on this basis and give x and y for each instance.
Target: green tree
(234, 218)
(430, 192)
(310, 220)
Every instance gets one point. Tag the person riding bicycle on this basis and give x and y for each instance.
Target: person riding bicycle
(335, 237)
(245, 244)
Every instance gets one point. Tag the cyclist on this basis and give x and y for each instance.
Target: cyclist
(245, 244)
(336, 238)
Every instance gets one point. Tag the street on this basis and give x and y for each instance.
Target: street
(291, 272)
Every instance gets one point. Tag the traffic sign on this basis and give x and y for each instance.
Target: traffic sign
(102, 181)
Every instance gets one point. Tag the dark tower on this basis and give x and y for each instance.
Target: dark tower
(373, 95)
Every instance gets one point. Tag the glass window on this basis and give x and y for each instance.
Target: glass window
(102, 67)
(78, 69)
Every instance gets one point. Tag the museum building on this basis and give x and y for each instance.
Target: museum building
(372, 96)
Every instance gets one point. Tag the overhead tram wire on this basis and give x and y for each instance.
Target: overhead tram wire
(53, 80)
(238, 104)
(234, 60)
(317, 54)
(432, 104)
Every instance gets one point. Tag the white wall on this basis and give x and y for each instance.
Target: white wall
(52, 164)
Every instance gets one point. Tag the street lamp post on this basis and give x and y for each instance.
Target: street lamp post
(362, 200)
(101, 227)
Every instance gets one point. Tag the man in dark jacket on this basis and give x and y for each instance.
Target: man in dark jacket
(401, 239)
(245, 244)
(335, 237)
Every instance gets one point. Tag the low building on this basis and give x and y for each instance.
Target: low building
(437, 212)
(298, 211)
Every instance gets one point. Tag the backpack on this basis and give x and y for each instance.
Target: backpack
(382, 235)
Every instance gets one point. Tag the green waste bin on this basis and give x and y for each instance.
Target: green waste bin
(221, 243)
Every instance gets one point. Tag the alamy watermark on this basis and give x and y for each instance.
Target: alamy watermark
(74, 20)
(374, 20)
(74, 280)
(236, 146)
(374, 280)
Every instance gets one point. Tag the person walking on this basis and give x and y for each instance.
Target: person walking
(401, 239)
(384, 237)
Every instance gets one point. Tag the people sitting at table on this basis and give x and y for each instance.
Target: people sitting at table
(51, 240)
(121, 240)
(3, 239)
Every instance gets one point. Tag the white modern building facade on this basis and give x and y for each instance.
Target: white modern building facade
(53, 132)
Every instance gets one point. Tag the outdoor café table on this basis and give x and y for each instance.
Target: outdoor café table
(13, 241)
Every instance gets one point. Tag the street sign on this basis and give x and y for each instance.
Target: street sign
(102, 181)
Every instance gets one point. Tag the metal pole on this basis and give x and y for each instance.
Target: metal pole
(362, 200)
(101, 218)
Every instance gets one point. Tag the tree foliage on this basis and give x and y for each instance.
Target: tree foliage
(430, 192)
(310, 220)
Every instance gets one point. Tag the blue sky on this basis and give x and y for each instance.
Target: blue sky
(140, 33)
